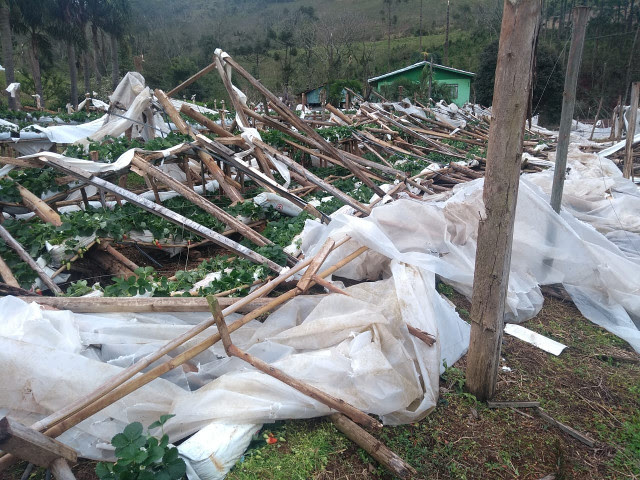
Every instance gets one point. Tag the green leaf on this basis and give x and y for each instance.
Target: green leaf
(177, 469)
(120, 440)
(155, 424)
(165, 418)
(170, 455)
(140, 456)
(154, 454)
(104, 470)
(164, 441)
(133, 430)
(146, 475)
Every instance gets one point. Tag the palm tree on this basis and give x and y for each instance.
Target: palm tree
(35, 23)
(114, 24)
(67, 25)
(7, 48)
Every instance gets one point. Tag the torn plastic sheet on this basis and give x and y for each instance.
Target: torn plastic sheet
(441, 237)
(354, 347)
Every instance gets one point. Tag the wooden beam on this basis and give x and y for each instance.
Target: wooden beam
(201, 202)
(31, 445)
(43, 211)
(313, 392)
(520, 24)
(137, 305)
(374, 447)
(204, 121)
(22, 253)
(182, 126)
(7, 274)
(191, 79)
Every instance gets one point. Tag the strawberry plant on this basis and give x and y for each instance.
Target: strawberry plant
(143, 456)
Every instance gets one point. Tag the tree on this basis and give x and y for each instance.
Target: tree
(35, 23)
(547, 84)
(390, 19)
(115, 24)
(67, 25)
(7, 48)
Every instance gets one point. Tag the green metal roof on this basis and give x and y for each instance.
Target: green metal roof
(419, 65)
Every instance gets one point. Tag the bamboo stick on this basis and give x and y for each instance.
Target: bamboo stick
(22, 253)
(310, 391)
(182, 126)
(7, 274)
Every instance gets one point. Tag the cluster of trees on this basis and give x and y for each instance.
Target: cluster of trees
(291, 46)
(35, 33)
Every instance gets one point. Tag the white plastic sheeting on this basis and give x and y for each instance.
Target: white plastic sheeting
(440, 237)
(357, 348)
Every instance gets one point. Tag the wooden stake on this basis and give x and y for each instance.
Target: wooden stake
(595, 120)
(631, 130)
(191, 79)
(322, 397)
(204, 121)
(40, 208)
(520, 23)
(7, 274)
(580, 19)
(22, 253)
(294, 120)
(374, 447)
(182, 126)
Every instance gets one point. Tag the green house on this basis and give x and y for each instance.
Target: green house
(458, 81)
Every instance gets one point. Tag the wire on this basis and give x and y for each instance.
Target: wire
(535, 110)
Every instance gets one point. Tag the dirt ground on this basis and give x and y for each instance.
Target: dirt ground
(593, 387)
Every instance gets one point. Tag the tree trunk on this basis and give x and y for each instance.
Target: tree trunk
(115, 68)
(446, 37)
(86, 72)
(7, 50)
(35, 69)
(73, 74)
(421, 26)
(96, 53)
(518, 36)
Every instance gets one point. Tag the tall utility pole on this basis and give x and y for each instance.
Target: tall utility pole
(518, 35)
(446, 37)
(631, 130)
(580, 19)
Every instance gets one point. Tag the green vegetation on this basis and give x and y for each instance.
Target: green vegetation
(143, 456)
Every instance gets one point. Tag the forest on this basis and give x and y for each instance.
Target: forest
(62, 49)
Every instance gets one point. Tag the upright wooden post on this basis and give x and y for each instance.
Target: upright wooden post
(580, 19)
(631, 131)
(520, 24)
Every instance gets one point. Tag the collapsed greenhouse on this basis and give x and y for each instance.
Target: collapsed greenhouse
(317, 242)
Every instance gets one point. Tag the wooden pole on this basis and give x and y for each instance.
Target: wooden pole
(191, 79)
(182, 126)
(520, 23)
(390, 460)
(7, 274)
(15, 245)
(631, 131)
(595, 120)
(322, 397)
(580, 19)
